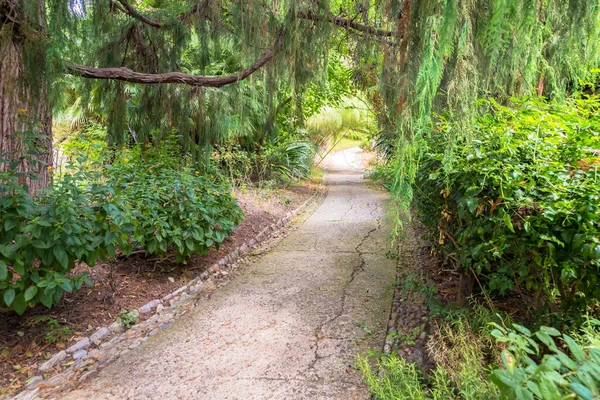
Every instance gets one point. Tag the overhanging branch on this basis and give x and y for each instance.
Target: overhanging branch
(128, 75)
(346, 23)
(129, 10)
(309, 15)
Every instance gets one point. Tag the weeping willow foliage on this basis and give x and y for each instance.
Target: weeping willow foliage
(453, 52)
(200, 37)
(440, 56)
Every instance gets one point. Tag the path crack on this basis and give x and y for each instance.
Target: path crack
(360, 267)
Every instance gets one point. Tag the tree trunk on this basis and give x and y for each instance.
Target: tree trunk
(25, 115)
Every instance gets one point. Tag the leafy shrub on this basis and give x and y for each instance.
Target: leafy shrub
(545, 364)
(55, 333)
(154, 203)
(41, 238)
(291, 159)
(171, 207)
(520, 205)
(399, 380)
(288, 158)
(567, 369)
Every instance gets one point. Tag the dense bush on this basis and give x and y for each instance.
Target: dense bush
(172, 207)
(154, 203)
(460, 372)
(495, 361)
(520, 205)
(41, 238)
(289, 158)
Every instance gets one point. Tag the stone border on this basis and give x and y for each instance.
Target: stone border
(89, 354)
(409, 322)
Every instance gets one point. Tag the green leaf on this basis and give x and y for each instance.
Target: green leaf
(190, 244)
(10, 223)
(566, 361)
(9, 296)
(522, 329)
(30, 293)
(523, 393)
(546, 339)
(548, 389)
(582, 391)
(508, 222)
(43, 283)
(61, 256)
(66, 285)
(575, 348)
(110, 249)
(534, 388)
(550, 331)
(3, 271)
(40, 244)
(19, 304)
(503, 379)
(46, 300)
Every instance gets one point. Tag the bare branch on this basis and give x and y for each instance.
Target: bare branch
(128, 75)
(346, 23)
(309, 15)
(129, 10)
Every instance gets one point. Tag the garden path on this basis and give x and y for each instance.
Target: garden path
(291, 324)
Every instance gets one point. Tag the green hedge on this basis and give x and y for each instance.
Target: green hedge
(520, 203)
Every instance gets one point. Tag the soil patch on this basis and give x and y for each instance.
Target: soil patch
(27, 340)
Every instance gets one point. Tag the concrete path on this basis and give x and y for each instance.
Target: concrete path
(290, 325)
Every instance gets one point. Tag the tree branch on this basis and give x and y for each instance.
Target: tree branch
(309, 15)
(346, 23)
(127, 75)
(137, 15)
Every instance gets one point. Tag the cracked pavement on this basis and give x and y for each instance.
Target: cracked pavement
(290, 325)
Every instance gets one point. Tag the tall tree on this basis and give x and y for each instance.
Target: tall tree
(25, 113)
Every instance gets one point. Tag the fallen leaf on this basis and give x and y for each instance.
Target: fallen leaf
(171, 280)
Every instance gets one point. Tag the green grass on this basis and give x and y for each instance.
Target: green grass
(461, 369)
(345, 144)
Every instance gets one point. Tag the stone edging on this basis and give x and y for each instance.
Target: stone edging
(89, 354)
(409, 321)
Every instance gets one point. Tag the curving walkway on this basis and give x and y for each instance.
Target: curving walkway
(290, 325)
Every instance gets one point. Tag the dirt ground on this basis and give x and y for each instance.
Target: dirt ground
(26, 341)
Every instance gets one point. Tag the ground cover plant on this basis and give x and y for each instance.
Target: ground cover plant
(174, 102)
(499, 361)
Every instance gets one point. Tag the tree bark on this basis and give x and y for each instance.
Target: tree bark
(25, 114)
